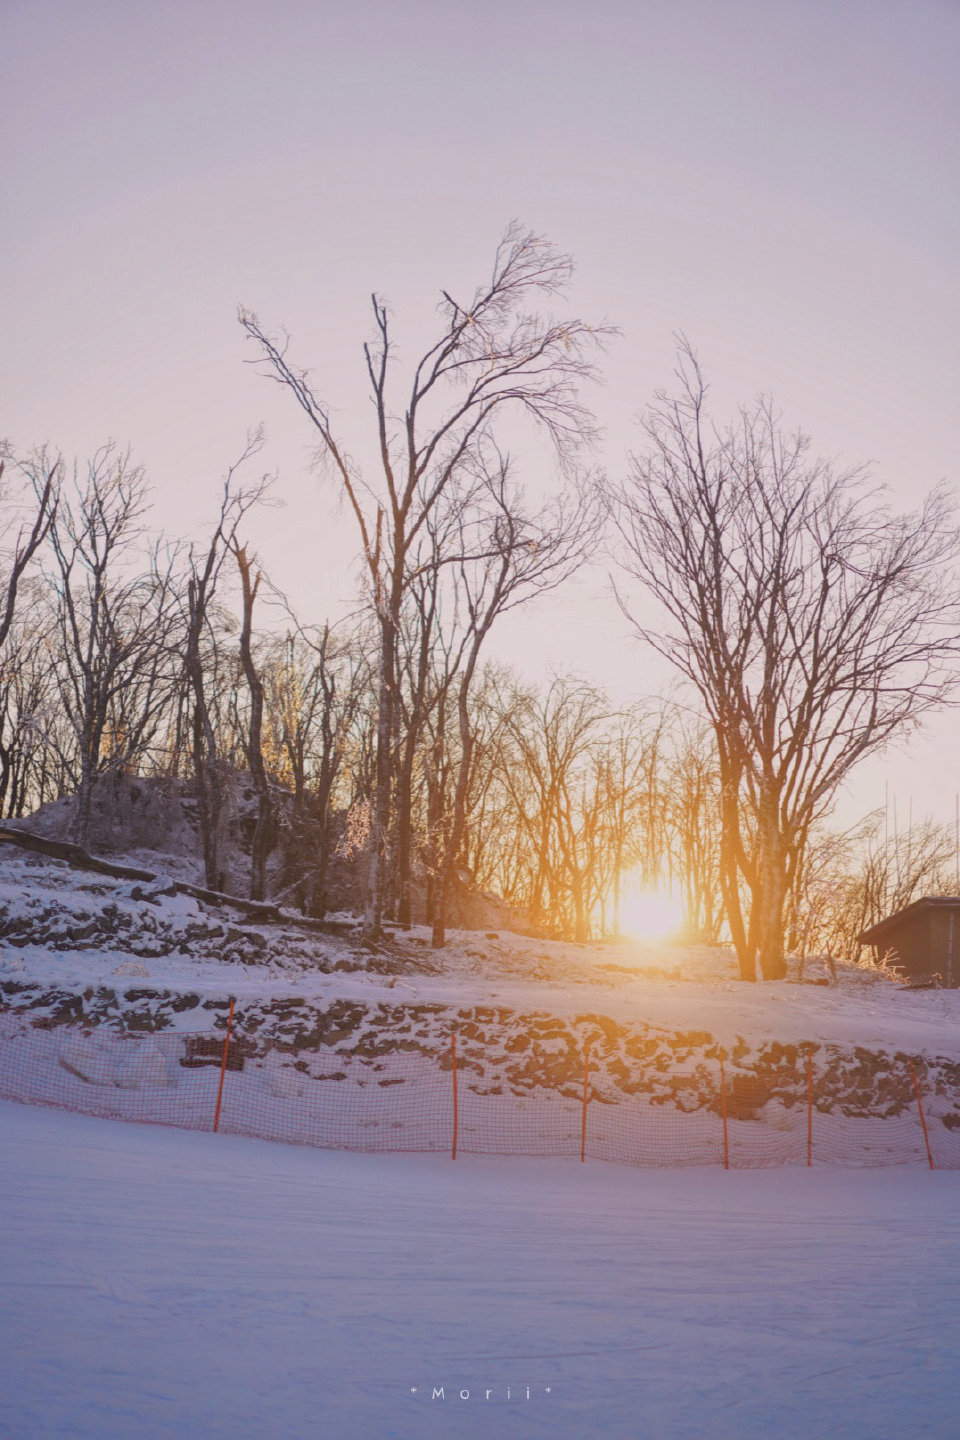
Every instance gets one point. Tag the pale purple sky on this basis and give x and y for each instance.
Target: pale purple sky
(777, 179)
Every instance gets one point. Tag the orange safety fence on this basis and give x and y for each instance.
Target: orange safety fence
(397, 1100)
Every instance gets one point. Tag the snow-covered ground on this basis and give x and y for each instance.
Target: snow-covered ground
(76, 931)
(337, 1043)
(157, 1283)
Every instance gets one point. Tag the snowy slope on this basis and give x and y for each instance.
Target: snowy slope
(337, 1043)
(73, 931)
(162, 1284)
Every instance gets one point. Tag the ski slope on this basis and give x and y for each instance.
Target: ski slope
(164, 1283)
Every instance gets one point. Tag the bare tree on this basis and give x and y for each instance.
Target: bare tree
(629, 764)
(262, 839)
(316, 681)
(491, 357)
(199, 650)
(22, 537)
(29, 704)
(25, 528)
(851, 881)
(814, 623)
(115, 617)
(691, 805)
(516, 553)
(427, 659)
(552, 782)
(566, 795)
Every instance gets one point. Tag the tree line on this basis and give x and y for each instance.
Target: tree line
(809, 622)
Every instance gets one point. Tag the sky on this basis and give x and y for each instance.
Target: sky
(777, 181)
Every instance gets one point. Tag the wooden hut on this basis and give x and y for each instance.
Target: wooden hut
(923, 939)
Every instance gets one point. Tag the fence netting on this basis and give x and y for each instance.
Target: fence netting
(397, 1100)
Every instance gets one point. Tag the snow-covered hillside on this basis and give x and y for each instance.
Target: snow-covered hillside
(73, 932)
(81, 951)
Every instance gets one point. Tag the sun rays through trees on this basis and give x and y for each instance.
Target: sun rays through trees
(383, 762)
(813, 622)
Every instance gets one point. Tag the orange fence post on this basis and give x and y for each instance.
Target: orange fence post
(223, 1066)
(723, 1111)
(809, 1108)
(923, 1123)
(586, 1088)
(453, 1068)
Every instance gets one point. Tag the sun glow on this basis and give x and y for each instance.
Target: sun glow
(649, 914)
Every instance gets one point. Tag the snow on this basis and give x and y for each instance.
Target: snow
(159, 1283)
(402, 1101)
(169, 1282)
(311, 1005)
(668, 987)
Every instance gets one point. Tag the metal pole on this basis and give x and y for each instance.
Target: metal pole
(723, 1111)
(886, 843)
(923, 1123)
(453, 1068)
(809, 1107)
(223, 1066)
(583, 1122)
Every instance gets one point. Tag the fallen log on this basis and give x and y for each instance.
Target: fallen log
(74, 855)
(81, 859)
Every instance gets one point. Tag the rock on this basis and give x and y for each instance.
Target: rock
(776, 1116)
(283, 1081)
(146, 1069)
(88, 1060)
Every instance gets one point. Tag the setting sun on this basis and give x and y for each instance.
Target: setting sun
(650, 914)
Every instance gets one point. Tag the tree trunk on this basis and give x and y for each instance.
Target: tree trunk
(730, 848)
(81, 819)
(404, 832)
(373, 917)
(773, 893)
(459, 820)
(263, 832)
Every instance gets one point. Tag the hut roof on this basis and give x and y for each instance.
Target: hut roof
(885, 927)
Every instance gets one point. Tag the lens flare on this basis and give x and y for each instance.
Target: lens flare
(649, 914)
